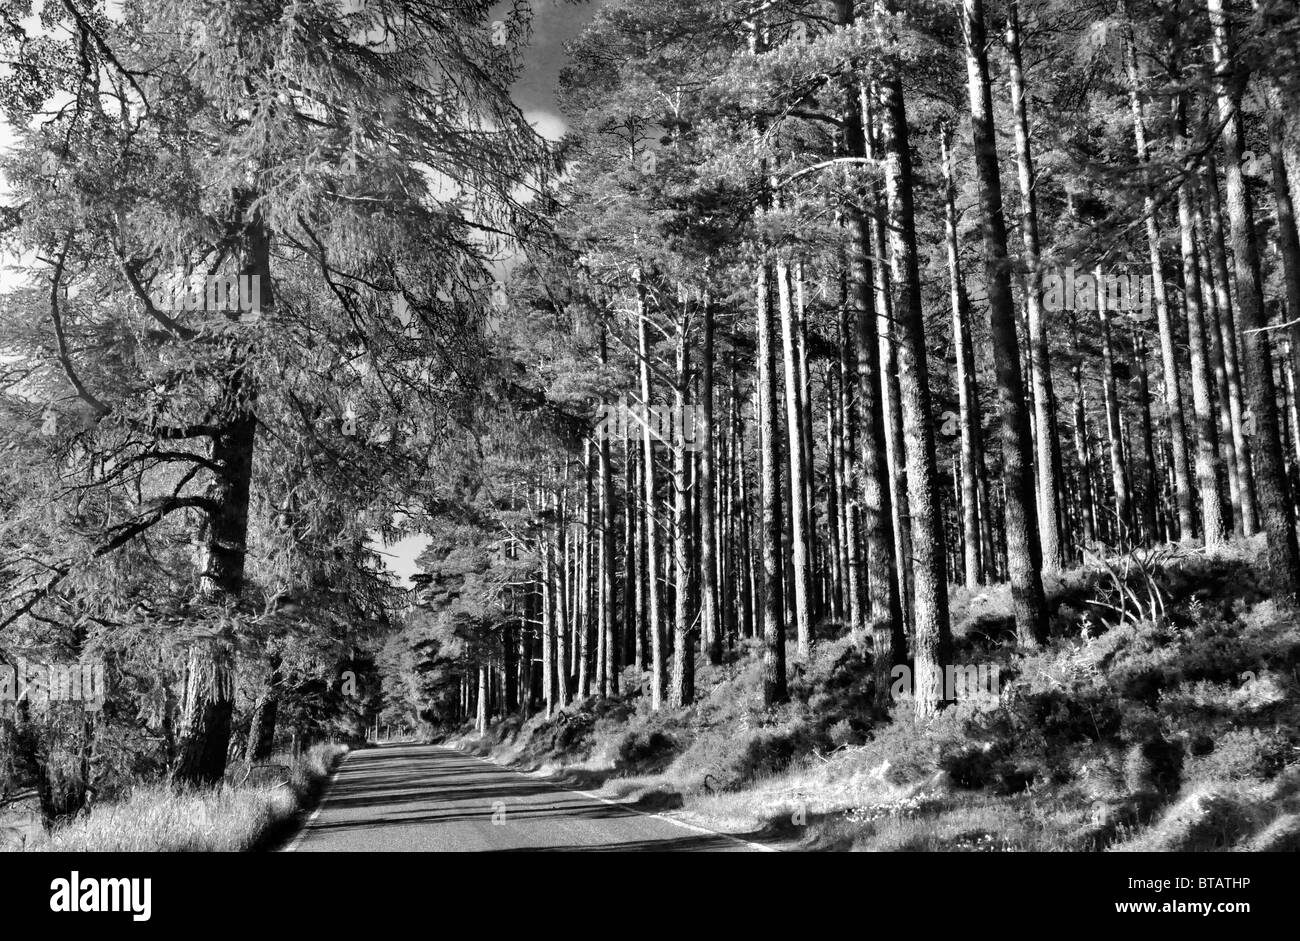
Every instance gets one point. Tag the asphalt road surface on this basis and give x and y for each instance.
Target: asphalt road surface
(424, 798)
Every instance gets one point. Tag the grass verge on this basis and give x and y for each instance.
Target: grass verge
(231, 817)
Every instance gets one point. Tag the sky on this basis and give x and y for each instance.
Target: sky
(554, 24)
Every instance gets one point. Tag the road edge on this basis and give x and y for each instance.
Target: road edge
(758, 847)
(301, 835)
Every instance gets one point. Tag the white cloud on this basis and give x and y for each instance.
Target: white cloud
(549, 125)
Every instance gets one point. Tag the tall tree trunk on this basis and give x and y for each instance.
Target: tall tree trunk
(1168, 353)
(745, 558)
(1209, 298)
(548, 620)
(1082, 447)
(724, 522)
(1114, 426)
(932, 639)
(631, 575)
(208, 705)
(481, 713)
(1023, 557)
(1047, 442)
(609, 640)
(805, 428)
(835, 555)
(1147, 470)
(527, 649)
(797, 462)
(510, 667)
(850, 505)
(711, 632)
(1227, 329)
(563, 667)
(967, 394)
(1208, 462)
(1288, 239)
(682, 685)
(1274, 500)
(887, 371)
(774, 678)
(879, 578)
(587, 618)
(654, 623)
(774, 681)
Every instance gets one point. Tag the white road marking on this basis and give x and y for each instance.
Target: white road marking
(613, 803)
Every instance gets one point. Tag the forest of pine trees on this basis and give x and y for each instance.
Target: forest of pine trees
(820, 318)
(874, 299)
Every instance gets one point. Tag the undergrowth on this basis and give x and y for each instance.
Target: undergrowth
(1126, 731)
(244, 813)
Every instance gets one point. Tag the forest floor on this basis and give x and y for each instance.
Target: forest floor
(1164, 714)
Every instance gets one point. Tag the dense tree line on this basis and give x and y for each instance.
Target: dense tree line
(913, 296)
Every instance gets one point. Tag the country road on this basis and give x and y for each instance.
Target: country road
(425, 798)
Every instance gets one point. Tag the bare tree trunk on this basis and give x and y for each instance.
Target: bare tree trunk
(609, 637)
(882, 602)
(1168, 354)
(1023, 556)
(1114, 428)
(548, 620)
(887, 371)
(1082, 447)
(835, 554)
(1227, 445)
(481, 713)
(630, 573)
(932, 639)
(560, 622)
(967, 394)
(208, 705)
(806, 434)
(745, 566)
(1146, 469)
(774, 682)
(654, 625)
(587, 614)
(1227, 329)
(849, 422)
(1288, 239)
(797, 463)
(774, 678)
(1047, 442)
(1274, 499)
(711, 633)
(725, 523)
(1208, 462)
(682, 686)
